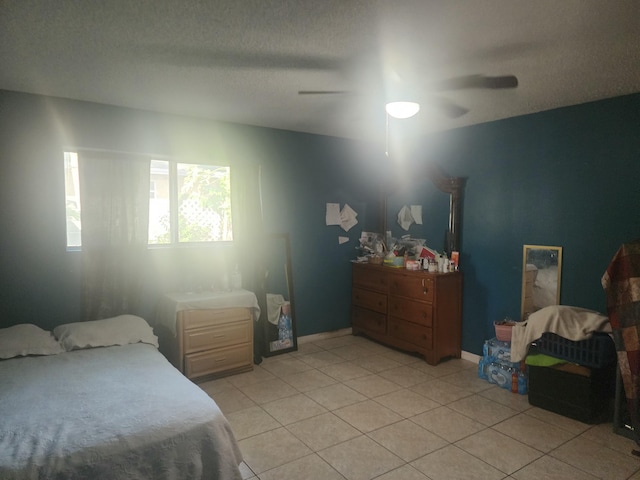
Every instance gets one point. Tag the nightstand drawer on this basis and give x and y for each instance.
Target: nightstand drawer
(368, 299)
(416, 312)
(207, 338)
(219, 360)
(204, 318)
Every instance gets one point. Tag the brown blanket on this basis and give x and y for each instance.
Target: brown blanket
(621, 283)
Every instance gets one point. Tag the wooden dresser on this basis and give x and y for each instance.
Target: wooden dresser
(214, 341)
(415, 311)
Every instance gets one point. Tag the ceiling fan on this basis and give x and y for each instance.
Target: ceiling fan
(456, 83)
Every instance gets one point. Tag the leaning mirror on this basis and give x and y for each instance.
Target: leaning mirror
(541, 269)
(280, 332)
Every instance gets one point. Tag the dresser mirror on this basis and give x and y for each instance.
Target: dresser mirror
(541, 270)
(452, 186)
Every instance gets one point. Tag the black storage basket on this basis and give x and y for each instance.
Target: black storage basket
(597, 351)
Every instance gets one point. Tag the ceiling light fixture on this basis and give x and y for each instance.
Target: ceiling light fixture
(402, 109)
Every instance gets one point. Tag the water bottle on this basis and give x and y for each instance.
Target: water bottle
(522, 383)
(285, 330)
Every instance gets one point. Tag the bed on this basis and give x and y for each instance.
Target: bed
(75, 406)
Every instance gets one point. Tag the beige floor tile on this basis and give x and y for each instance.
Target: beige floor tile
(271, 449)
(335, 396)
(405, 376)
(482, 410)
(251, 421)
(401, 357)
(412, 433)
(232, 400)
(565, 423)
(549, 468)
(306, 348)
(345, 371)
(600, 461)
(309, 380)
(505, 397)
(321, 359)
(287, 366)
(351, 352)
(335, 342)
(446, 367)
(246, 472)
(498, 450)
(533, 432)
(376, 363)
(405, 472)
(293, 409)
(372, 385)
(311, 467)
(441, 392)
(376, 347)
(268, 391)
(406, 402)
(452, 463)
(407, 440)
(215, 386)
(360, 459)
(604, 435)
(258, 374)
(467, 379)
(323, 431)
(367, 416)
(448, 424)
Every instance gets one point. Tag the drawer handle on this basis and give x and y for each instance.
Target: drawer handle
(218, 360)
(220, 335)
(424, 287)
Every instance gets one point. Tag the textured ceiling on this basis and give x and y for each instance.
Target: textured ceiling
(245, 61)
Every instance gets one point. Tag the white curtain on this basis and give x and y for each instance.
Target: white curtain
(114, 191)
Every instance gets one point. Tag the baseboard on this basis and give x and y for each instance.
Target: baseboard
(471, 357)
(324, 335)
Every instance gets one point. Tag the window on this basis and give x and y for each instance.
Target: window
(188, 203)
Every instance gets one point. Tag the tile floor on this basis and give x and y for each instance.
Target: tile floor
(349, 408)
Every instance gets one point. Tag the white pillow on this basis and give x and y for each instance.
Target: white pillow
(27, 339)
(120, 330)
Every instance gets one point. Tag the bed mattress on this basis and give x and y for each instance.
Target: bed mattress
(109, 413)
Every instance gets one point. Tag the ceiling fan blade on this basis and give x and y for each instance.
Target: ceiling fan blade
(477, 81)
(452, 110)
(322, 92)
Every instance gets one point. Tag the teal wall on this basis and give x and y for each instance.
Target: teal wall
(566, 177)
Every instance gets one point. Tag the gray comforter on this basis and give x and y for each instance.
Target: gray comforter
(109, 413)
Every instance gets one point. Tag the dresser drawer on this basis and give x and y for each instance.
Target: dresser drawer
(369, 320)
(368, 299)
(414, 286)
(411, 332)
(224, 335)
(214, 361)
(416, 312)
(204, 318)
(370, 278)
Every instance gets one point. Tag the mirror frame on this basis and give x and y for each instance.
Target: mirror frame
(525, 249)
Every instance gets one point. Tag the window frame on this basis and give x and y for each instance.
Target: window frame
(174, 232)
